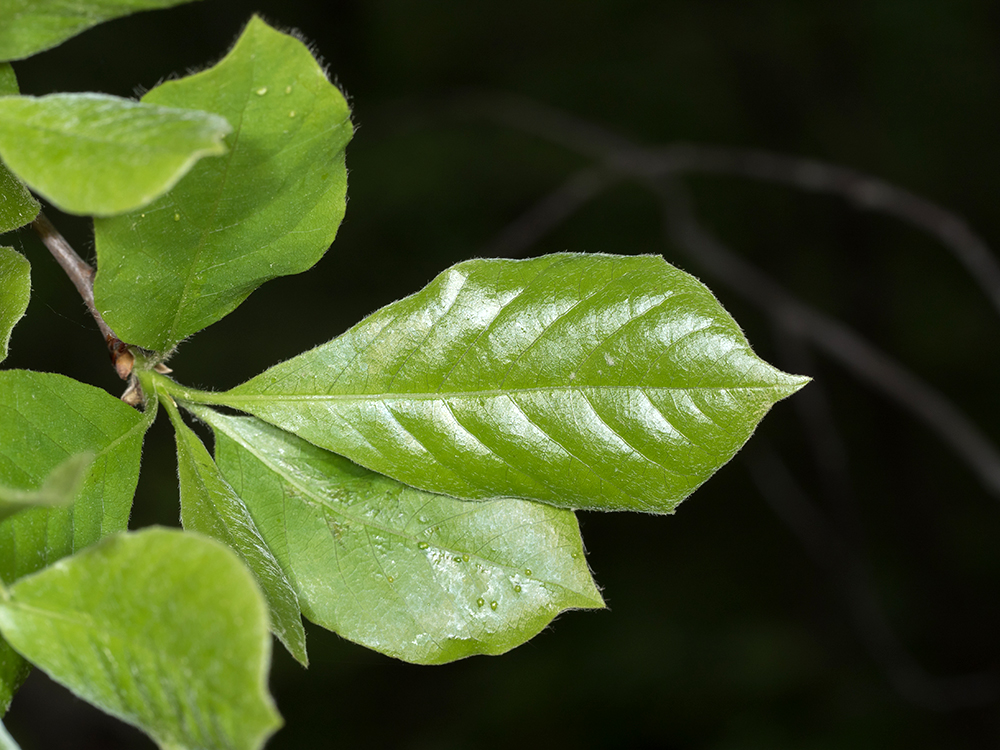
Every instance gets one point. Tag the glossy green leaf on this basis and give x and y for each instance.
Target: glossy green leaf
(44, 420)
(210, 506)
(418, 576)
(17, 206)
(31, 26)
(101, 155)
(269, 208)
(162, 628)
(585, 381)
(59, 488)
(15, 291)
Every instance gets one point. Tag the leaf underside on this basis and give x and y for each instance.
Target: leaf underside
(31, 26)
(270, 207)
(418, 576)
(95, 154)
(210, 506)
(15, 291)
(584, 381)
(121, 625)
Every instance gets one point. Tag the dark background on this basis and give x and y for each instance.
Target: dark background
(724, 630)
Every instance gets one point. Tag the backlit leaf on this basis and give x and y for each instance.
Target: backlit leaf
(30, 26)
(163, 629)
(210, 506)
(100, 155)
(418, 576)
(17, 206)
(15, 291)
(584, 381)
(270, 207)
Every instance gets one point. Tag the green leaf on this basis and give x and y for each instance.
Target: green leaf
(15, 291)
(14, 670)
(163, 629)
(584, 381)
(418, 576)
(31, 26)
(210, 506)
(102, 155)
(17, 206)
(44, 420)
(269, 208)
(6, 741)
(59, 488)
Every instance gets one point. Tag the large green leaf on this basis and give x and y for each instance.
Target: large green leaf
(418, 576)
(59, 488)
(269, 208)
(30, 26)
(15, 291)
(585, 381)
(210, 506)
(164, 629)
(44, 420)
(17, 206)
(103, 155)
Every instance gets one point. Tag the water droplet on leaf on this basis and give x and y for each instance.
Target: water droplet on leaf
(423, 545)
(480, 601)
(517, 589)
(493, 606)
(261, 91)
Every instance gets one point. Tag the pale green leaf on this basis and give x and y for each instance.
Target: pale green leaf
(418, 576)
(209, 505)
(163, 629)
(46, 423)
(17, 206)
(269, 208)
(15, 291)
(59, 488)
(31, 26)
(6, 741)
(101, 155)
(44, 420)
(585, 381)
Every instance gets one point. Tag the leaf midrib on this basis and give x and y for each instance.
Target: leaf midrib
(231, 399)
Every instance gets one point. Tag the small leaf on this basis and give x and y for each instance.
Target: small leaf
(17, 206)
(100, 155)
(163, 629)
(59, 488)
(584, 381)
(15, 291)
(210, 506)
(269, 208)
(418, 576)
(44, 420)
(31, 26)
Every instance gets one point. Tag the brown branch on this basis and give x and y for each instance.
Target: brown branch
(851, 576)
(549, 212)
(82, 276)
(864, 191)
